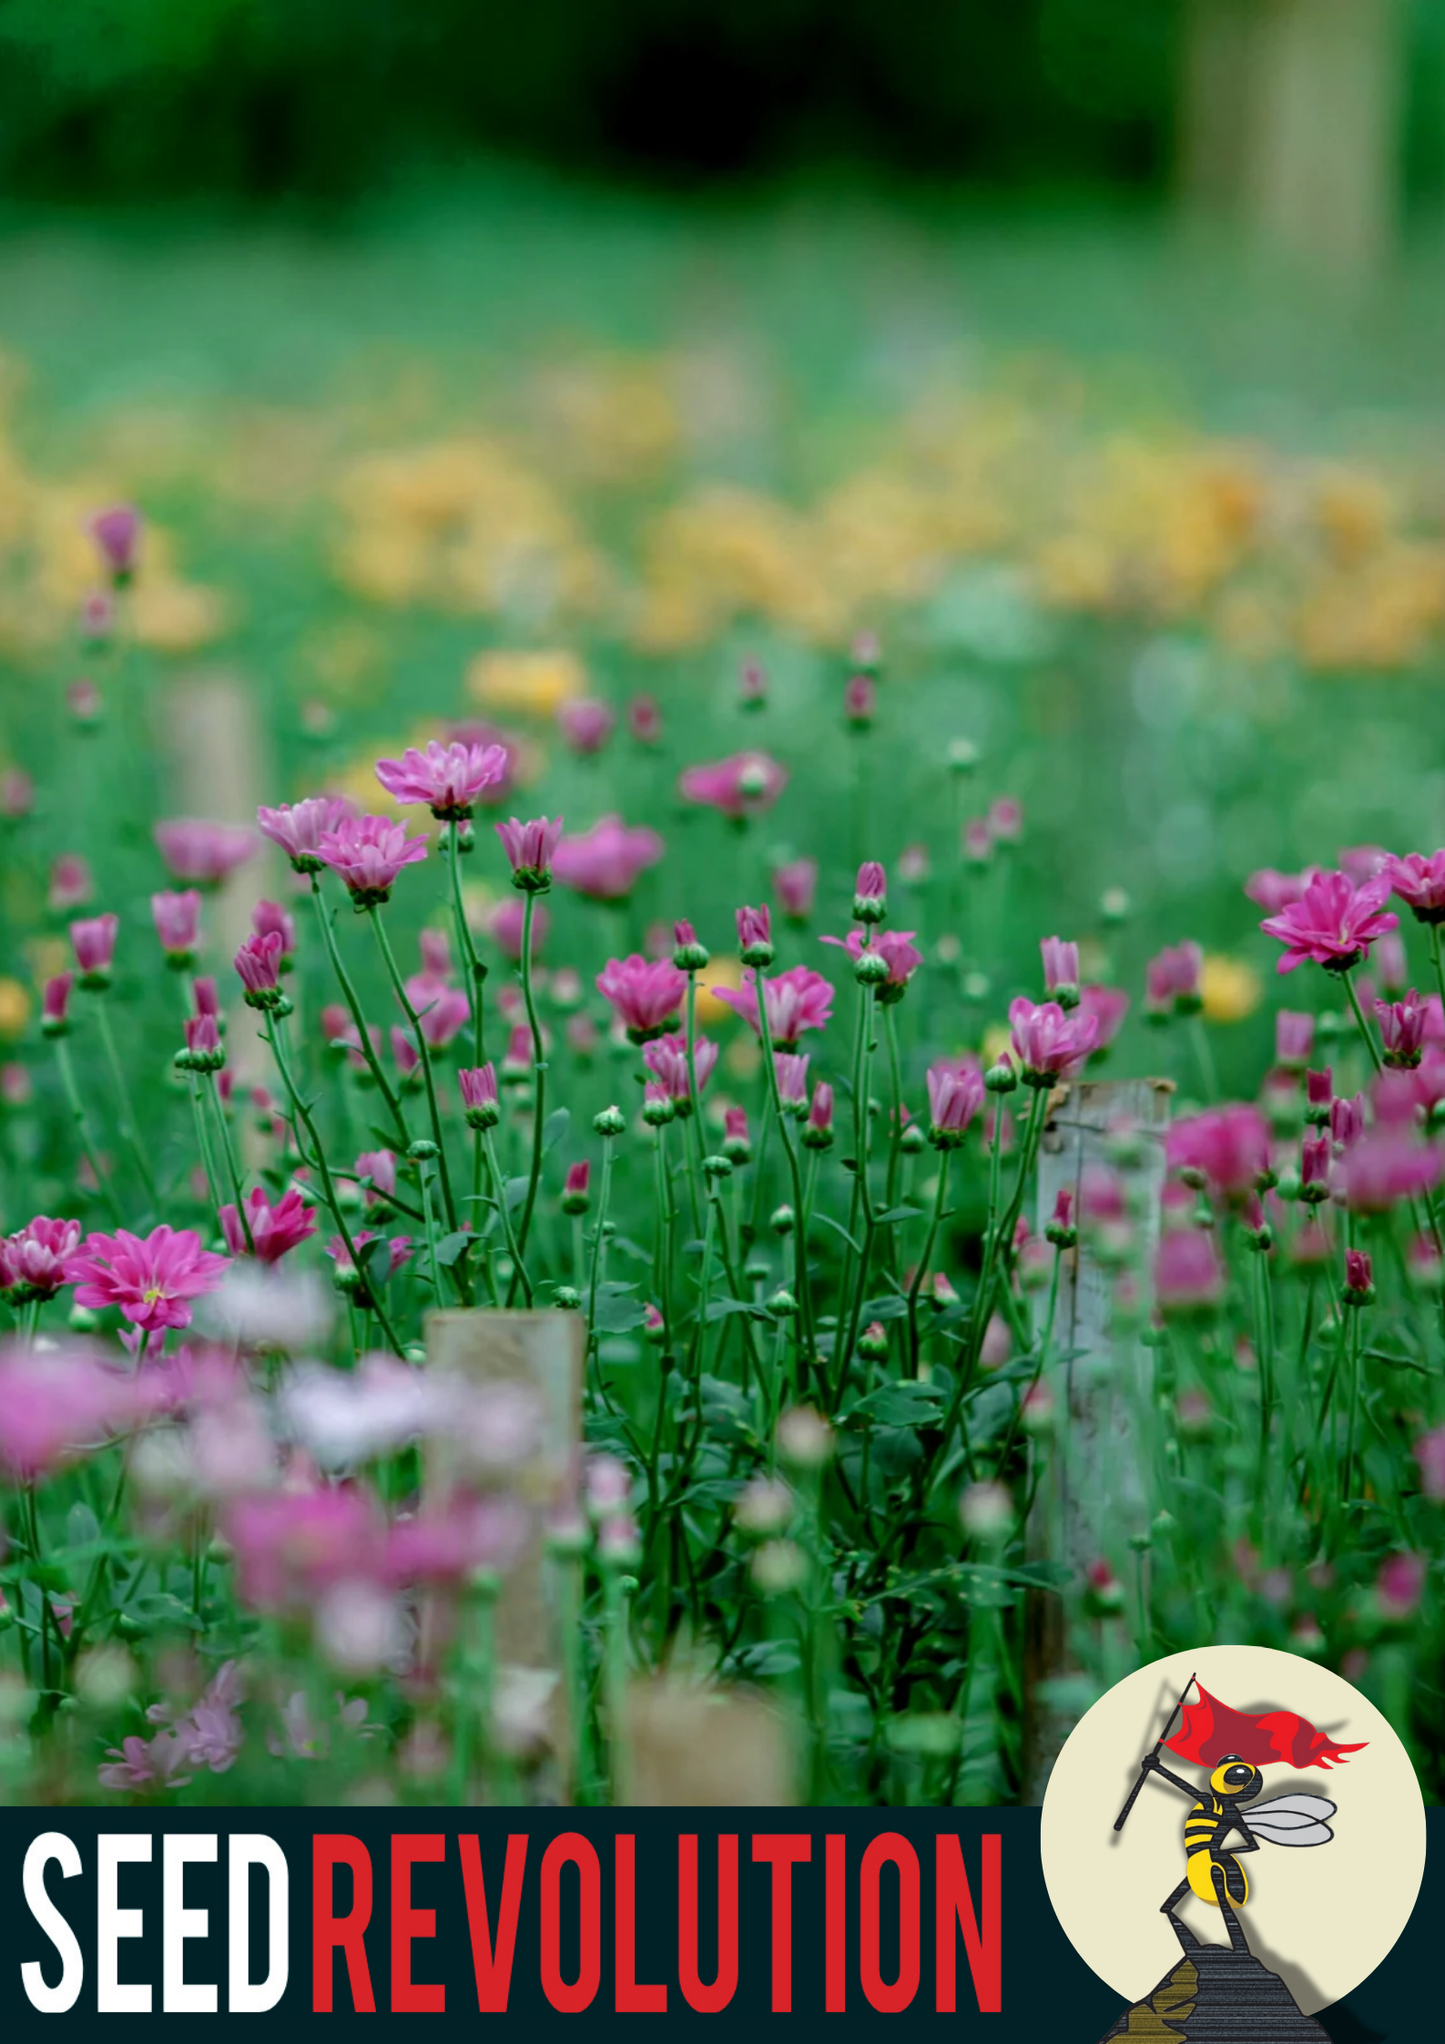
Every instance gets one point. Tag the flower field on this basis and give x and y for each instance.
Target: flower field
(627, 842)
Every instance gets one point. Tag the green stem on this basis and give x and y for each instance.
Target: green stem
(918, 1276)
(423, 1051)
(499, 1187)
(363, 1034)
(82, 1127)
(539, 1079)
(475, 970)
(1364, 1027)
(126, 1117)
(207, 1084)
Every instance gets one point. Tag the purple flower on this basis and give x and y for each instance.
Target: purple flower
(1188, 1276)
(645, 993)
(1333, 923)
(742, 786)
(1226, 1149)
(1383, 1168)
(369, 852)
(603, 863)
(530, 847)
(1420, 883)
(1061, 970)
(298, 829)
(1049, 1044)
(796, 1000)
(585, 724)
(116, 532)
(203, 853)
(447, 778)
(93, 942)
(955, 1095)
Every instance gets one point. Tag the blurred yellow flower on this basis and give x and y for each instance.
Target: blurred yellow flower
(743, 1056)
(535, 683)
(47, 956)
(722, 972)
(1231, 989)
(14, 1007)
(997, 1039)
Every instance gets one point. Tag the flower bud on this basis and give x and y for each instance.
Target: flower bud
(1001, 1077)
(873, 1342)
(871, 969)
(782, 1305)
(610, 1122)
(913, 1142)
(782, 1220)
(567, 1298)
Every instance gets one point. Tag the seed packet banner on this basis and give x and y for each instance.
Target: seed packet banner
(538, 1916)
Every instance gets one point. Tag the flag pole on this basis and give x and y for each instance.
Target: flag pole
(1144, 1765)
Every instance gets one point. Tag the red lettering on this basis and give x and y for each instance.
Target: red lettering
(955, 1911)
(328, 1851)
(493, 1966)
(571, 1996)
(835, 1951)
(411, 1997)
(634, 1997)
(783, 1849)
(892, 1848)
(708, 2001)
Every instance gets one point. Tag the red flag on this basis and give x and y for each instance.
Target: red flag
(1211, 1729)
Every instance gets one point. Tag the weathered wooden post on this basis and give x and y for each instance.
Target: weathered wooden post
(695, 1746)
(543, 1354)
(1091, 1480)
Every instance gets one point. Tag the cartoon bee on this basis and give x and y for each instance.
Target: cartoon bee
(1213, 1873)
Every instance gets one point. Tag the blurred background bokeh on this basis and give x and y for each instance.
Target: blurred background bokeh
(463, 357)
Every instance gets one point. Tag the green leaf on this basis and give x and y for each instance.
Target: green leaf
(452, 1248)
(516, 1192)
(718, 1309)
(891, 1308)
(554, 1128)
(618, 1312)
(827, 1221)
(900, 1405)
(897, 1214)
(376, 1263)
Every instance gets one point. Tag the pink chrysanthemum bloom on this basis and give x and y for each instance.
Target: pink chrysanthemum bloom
(603, 863)
(531, 847)
(442, 1009)
(268, 918)
(737, 1142)
(1006, 820)
(1108, 1006)
(860, 701)
(506, 922)
(258, 966)
(369, 852)
(1362, 863)
(178, 924)
(205, 995)
(1359, 1273)
(1347, 1121)
(58, 1404)
(1172, 981)
(203, 853)
(1274, 890)
(792, 1070)
(71, 883)
(116, 532)
(820, 1112)
(152, 1279)
(1402, 1028)
(1333, 923)
(797, 886)
(1384, 1167)
(744, 785)
(55, 1004)
(797, 1000)
(1049, 1044)
(204, 1049)
(478, 1087)
(1294, 1040)
(32, 1261)
(404, 1053)
(1061, 970)
(380, 1167)
(298, 828)
(1419, 881)
(137, 1764)
(955, 1095)
(1429, 1452)
(897, 950)
(1226, 1149)
(447, 778)
(755, 934)
(645, 994)
(644, 719)
(275, 1230)
(17, 794)
(585, 724)
(1188, 1276)
(666, 1058)
(1400, 1585)
(93, 942)
(1391, 963)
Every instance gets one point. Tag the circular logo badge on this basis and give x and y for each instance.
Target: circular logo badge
(1227, 1820)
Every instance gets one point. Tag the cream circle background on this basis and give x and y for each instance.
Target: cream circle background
(1322, 1917)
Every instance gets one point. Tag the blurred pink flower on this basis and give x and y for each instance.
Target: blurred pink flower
(604, 862)
(585, 724)
(1429, 1452)
(755, 932)
(744, 785)
(71, 885)
(645, 994)
(1048, 1043)
(93, 942)
(58, 1404)
(1188, 1276)
(369, 852)
(268, 918)
(152, 1278)
(1419, 881)
(17, 794)
(1006, 820)
(380, 1167)
(275, 1230)
(298, 829)
(1108, 1006)
(820, 1113)
(1333, 922)
(1294, 1038)
(644, 719)
(1359, 1272)
(895, 947)
(1226, 1148)
(792, 1070)
(55, 1002)
(1400, 1585)
(178, 922)
(290, 1545)
(446, 778)
(666, 1058)
(443, 1011)
(1362, 863)
(139, 1764)
(32, 1261)
(797, 885)
(531, 847)
(796, 1000)
(1274, 890)
(1172, 979)
(1347, 1121)
(116, 532)
(860, 700)
(505, 925)
(203, 853)
(1402, 1028)
(1384, 1167)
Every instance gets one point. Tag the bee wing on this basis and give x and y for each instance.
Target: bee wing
(1292, 1820)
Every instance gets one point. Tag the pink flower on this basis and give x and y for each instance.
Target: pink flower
(447, 778)
(404, 1053)
(71, 885)
(1006, 820)
(1347, 1121)
(299, 829)
(203, 853)
(644, 719)
(139, 1764)
(955, 1095)
(1274, 890)
(32, 1261)
(735, 1126)
(290, 1545)
(744, 785)
(152, 1279)
(17, 794)
(1384, 1167)
(1391, 963)
(380, 1167)
(442, 1010)
(1429, 1452)
(755, 931)
(1360, 863)
(1226, 1148)
(258, 965)
(604, 862)
(797, 885)
(796, 1000)
(1359, 1273)
(369, 852)
(268, 918)
(93, 942)
(178, 922)
(397, 1251)
(1108, 1006)
(116, 532)
(860, 701)
(1420, 883)
(579, 1177)
(914, 865)
(275, 1230)
(1294, 1040)
(1402, 1028)
(1171, 980)
(1188, 1276)
(752, 685)
(506, 922)
(1061, 967)
(478, 1087)
(585, 724)
(55, 1002)
(645, 993)
(1400, 1585)
(56, 1405)
(895, 947)
(820, 1114)
(1333, 922)
(792, 1071)
(530, 847)
(1316, 1157)
(666, 1058)
(1048, 1043)
(976, 843)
